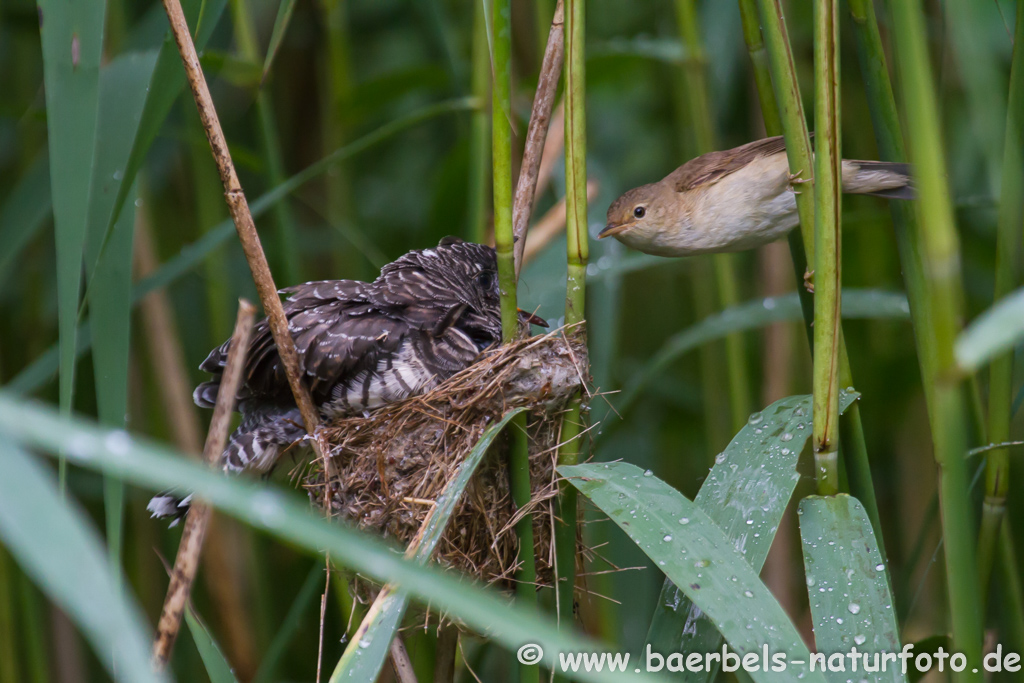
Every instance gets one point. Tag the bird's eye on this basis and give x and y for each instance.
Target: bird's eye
(485, 280)
(639, 212)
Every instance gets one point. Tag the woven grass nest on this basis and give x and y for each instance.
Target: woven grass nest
(392, 463)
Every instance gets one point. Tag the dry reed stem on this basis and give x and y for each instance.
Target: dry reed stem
(400, 659)
(239, 208)
(447, 645)
(537, 133)
(168, 361)
(551, 225)
(187, 561)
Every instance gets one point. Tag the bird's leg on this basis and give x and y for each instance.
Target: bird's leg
(809, 280)
(796, 179)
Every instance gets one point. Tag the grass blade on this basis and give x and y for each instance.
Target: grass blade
(284, 17)
(289, 625)
(43, 532)
(997, 330)
(217, 667)
(368, 650)
(24, 213)
(697, 556)
(72, 40)
(847, 582)
(290, 518)
(122, 93)
(765, 451)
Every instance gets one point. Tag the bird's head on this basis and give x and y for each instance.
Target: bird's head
(639, 215)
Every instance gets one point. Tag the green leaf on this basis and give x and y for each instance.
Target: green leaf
(290, 518)
(284, 18)
(697, 556)
(752, 479)
(64, 556)
(217, 667)
(365, 655)
(237, 71)
(995, 331)
(847, 584)
(123, 85)
(41, 370)
(165, 84)
(289, 625)
(72, 41)
(24, 213)
(857, 303)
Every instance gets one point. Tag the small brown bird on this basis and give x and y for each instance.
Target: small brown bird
(733, 200)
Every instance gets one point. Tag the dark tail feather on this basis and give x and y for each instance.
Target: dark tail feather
(265, 433)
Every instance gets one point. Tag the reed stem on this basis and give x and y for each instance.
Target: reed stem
(699, 103)
(940, 252)
(575, 294)
(1007, 268)
(828, 243)
(787, 92)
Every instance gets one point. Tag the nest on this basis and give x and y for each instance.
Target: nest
(390, 465)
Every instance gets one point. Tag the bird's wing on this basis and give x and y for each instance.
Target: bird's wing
(338, 332)
(713, 166)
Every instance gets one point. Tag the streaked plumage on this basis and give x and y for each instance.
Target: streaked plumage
(360, 345)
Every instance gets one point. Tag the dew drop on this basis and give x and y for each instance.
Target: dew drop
(854, 608)
(860, 639)
(786, 436)
(879, 567)
(648, 473)
(668, 538)
(748, 593)
(755, 418)
(684, 520)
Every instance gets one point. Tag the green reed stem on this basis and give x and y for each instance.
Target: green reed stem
(762, 73)
(577, 251)
(940, 251)
(501, 154)
(699, 103)
(1008, 239)
(8, 630)
(787, 91)
(476, 210)
(1013, 599)
(828, 242)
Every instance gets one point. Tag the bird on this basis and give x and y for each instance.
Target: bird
(733, 200)
(361, 345)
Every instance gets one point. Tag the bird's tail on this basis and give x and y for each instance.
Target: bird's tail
(265, 433)
(878, 178)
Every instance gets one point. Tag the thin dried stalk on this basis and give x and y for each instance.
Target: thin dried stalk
(187, 562)
(400, 659)
(536, 134)
(239, 208)
(168, 361)
(444, 662)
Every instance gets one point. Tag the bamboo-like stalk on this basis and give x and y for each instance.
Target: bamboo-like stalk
(940, 251)
(828, 243)
(186, 564)
(1008, 239)
(699, 102)
(501, 160)
(794, 126)
(447, 649)
(759, 59)
(1014, 596)
(479, 129)
(575, 294)
(404, 671)
(536, 134)
(246, 228)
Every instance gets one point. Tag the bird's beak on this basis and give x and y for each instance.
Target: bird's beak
(611, 230)
(533, 319)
